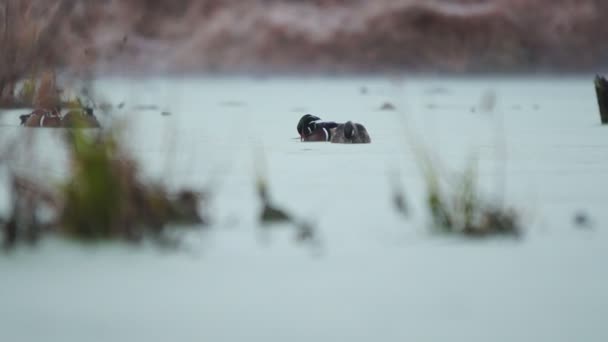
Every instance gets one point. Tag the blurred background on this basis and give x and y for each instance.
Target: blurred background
(181, 204)
(335, 36)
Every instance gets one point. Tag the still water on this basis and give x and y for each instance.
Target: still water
(376, 275)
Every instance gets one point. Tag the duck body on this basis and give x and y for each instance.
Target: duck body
(320, 131)
(75, 118)
(311, 128)
(350, 133)
(42, 118)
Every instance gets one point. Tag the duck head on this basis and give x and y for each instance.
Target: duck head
(24, 118)
(350, 130)
(306, 125)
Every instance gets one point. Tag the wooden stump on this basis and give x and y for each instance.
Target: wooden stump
(601, 90)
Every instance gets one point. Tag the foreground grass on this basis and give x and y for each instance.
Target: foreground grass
(104, 198)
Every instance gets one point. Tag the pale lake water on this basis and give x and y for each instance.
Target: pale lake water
(375, 276)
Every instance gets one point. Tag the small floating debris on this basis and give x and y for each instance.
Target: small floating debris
(165, 113)
(306, 232)
(449, 106)
(387, 106)
(299, 109)
(121, 105)
(399, 200)
(601, 92)
(437, 91)
(487, 102)
(400, 203)
(363, 90)
(145, 107)
(581, 220)
(232, 103)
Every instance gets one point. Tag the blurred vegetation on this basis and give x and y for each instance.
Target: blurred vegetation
(28, 92)
(39, 90)
(271, 214)
(104, 198)
(458, 207)
(27, 42)
(73, 103)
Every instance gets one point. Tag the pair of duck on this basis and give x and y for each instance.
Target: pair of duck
(81, 118)
(311, 128)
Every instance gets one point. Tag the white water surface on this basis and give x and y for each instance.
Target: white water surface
(375, 276)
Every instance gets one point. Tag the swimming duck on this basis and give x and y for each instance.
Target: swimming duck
(82, 118)
(350, 133)
(42, 118)
(311, 128)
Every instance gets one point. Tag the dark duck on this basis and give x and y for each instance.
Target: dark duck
(80, 118)
(311, 128)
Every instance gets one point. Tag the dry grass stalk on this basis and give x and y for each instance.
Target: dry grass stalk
(27, 32)
(47, 95)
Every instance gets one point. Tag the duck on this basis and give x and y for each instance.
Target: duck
(350, 133)
(311, 128)
(81, 118)
(75, 118)
(42, 118)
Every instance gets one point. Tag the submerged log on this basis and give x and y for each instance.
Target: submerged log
(601, 90)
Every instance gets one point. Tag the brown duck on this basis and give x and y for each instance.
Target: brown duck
(42, 118)
(75, 118)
